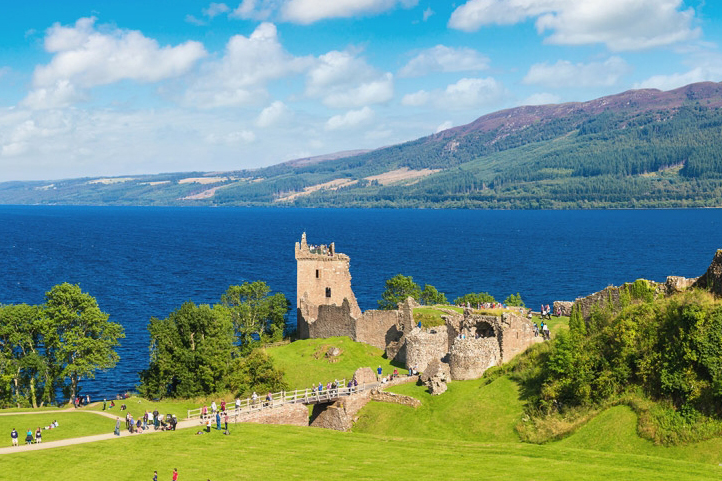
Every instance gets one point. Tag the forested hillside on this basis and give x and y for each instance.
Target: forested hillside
(642, 148)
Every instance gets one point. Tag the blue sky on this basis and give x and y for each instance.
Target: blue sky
(107, 88)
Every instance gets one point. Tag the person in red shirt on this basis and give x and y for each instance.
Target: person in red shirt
(175, 474)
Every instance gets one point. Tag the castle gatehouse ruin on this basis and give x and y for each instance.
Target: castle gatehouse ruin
(468, 343)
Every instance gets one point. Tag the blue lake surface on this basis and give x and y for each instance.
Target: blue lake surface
(140, 262)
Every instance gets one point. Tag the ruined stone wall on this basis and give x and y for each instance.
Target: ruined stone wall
(293, 414)
(332, 321)
(423, 345)
(378, 328)
(515, 335)
(393, 398)
(470, 357)
(598, 299)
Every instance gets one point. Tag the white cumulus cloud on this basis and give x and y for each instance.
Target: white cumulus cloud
(567, 74)
(342, 80)
(309, 11)
(445, 126)
(215, 9)
(255, 9)
(619, 24)
(350, 119)
(271, 115)
(471, 93)
(85, 57)
(444, 59)
(248, 64)
(416, 99)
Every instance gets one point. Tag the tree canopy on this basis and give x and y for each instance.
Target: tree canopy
(398, 288)
(53, 346)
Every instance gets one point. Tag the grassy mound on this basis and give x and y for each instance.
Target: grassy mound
(304, 362)
(284, 452)
(468, 411)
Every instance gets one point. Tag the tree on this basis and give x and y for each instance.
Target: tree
(514, 300)
(191, 352)
(79, 337)
(398, 288)
(257, 316)
(474, 299)
(256, 372)
(431, 296)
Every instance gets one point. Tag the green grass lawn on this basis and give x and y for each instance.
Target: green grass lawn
(303, 362)
(556, 324)
(468, 411)
(285, 452)
(71, 425)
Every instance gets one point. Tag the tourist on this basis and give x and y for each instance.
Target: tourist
(145, 420)
(87, 399)
(223, 405)
(218, 421)
(238, 404)
(112, 403)
(269, 399)
(175, 474)
(104, 404)
(139, 426)
(379, 372)
(155, 475)
(29, 437)
(156, 419)
(14, 437)
(38, 436)
(204, 412)
(151, 419)
(547, 334)
(55, 423)
(536, 330)
(254, 398)
(214, 408)
(208, 425)
(225, 420)
(173, 422)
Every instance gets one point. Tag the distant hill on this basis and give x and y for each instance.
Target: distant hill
(640, 148)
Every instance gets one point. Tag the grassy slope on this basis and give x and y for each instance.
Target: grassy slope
(615, 430)
(468, 411)
(284, 452)
(303, 362)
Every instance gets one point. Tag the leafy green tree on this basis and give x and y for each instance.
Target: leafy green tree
(398, 288)
(576, 322)
(256, 372)
(431, 296)
(514, 300)
(474, 299)
(191, 352)
(257, 315)
(79, 337)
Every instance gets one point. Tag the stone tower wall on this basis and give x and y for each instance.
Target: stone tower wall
(322, 279)
(424, 345)
(469, 358)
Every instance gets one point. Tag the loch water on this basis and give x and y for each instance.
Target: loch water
(140, 262)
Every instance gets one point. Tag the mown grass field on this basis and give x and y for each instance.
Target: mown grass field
(71, 425)
(304, 363)
(284, 452)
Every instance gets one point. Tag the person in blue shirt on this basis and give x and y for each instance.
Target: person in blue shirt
(14, 437)
(379, 371)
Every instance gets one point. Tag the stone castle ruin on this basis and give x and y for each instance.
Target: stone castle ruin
(467, 344)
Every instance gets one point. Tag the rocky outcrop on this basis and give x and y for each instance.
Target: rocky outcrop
(675, 284)
(435, 377)
(712, 279)
(564, 308)
(469, 358)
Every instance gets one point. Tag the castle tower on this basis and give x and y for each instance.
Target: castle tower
(322, 278)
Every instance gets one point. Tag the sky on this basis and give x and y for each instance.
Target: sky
(108, 88)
